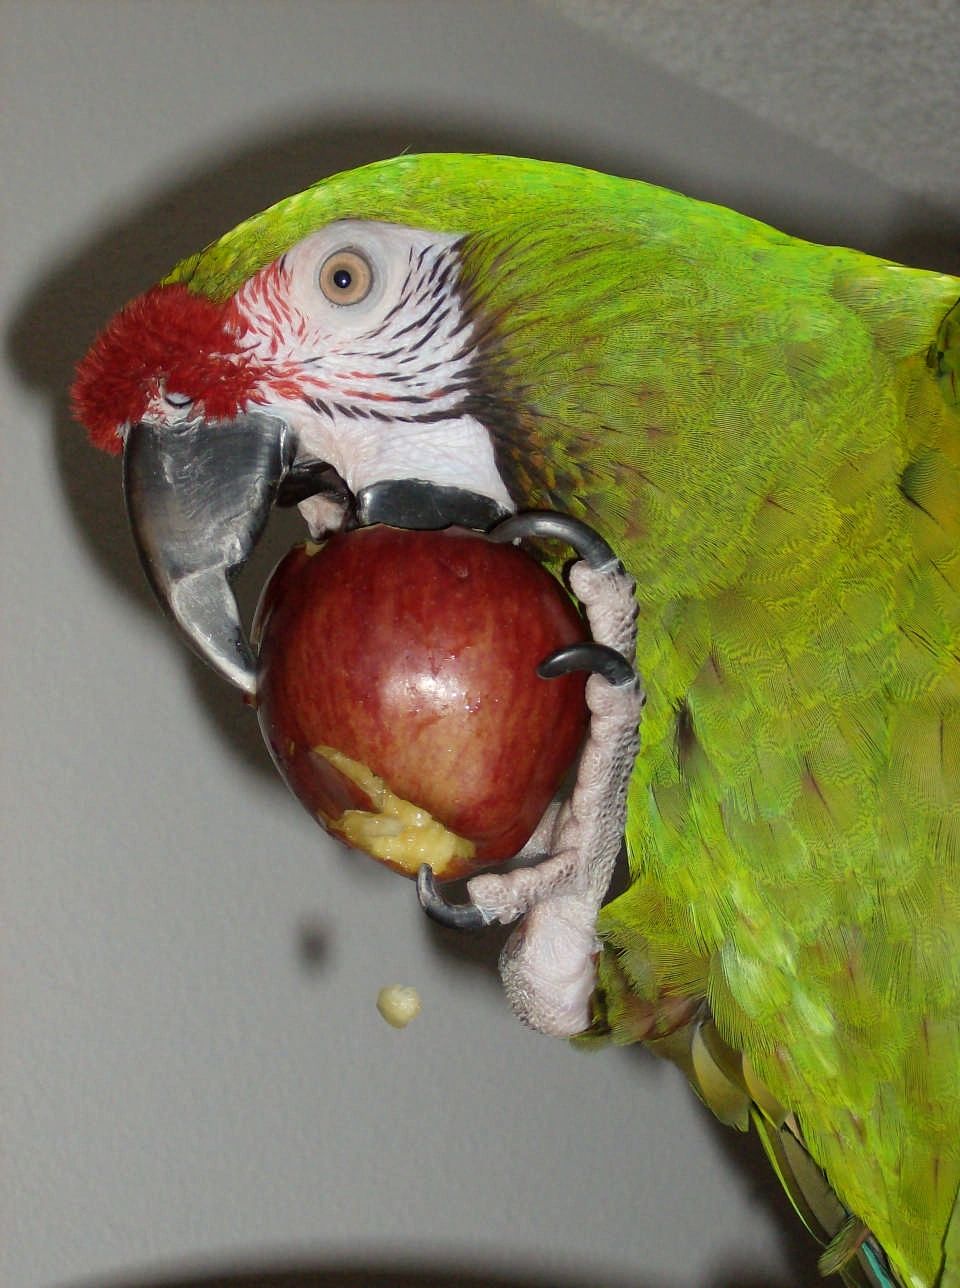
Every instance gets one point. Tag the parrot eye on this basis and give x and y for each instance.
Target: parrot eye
(346, 277)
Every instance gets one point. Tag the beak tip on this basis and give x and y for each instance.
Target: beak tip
(205, 610)
(243, 676)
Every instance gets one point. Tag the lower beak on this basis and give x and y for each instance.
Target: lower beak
(198, 498)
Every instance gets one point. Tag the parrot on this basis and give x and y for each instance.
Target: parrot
(766, 433)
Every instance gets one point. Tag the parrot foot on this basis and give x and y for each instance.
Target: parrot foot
(548, 963)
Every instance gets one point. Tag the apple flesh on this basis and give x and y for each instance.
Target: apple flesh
(399, 697)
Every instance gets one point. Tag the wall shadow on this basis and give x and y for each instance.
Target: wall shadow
(296, 1274)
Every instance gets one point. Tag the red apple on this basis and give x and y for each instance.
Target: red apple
(398, 692)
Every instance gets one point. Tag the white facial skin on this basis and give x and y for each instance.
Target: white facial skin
(362, 328)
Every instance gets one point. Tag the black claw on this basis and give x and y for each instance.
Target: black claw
(458, 916)
(588, 656)
(588, 544)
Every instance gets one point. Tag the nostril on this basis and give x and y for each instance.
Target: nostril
(177, 400)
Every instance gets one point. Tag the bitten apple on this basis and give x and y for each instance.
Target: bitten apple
(398, 692)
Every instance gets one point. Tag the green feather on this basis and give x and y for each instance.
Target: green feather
(769, 433)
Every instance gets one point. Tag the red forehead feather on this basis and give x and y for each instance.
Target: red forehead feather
(170, 334)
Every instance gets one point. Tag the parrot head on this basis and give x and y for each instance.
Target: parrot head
(329, 352)
(444, 339)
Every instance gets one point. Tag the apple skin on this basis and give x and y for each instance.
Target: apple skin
(415, 653)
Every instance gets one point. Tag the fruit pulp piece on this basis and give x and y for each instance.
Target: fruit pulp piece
(394, 831)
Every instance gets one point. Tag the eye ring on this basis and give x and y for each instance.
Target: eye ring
(346, 277)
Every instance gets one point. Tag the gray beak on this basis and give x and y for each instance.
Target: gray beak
(198, 498)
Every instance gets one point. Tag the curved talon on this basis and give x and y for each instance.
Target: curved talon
(588, 544)
(588, 656)
(458, 916)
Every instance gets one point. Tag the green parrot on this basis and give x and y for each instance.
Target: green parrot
(767, 433)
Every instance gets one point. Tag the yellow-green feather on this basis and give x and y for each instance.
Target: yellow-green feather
(769, 432)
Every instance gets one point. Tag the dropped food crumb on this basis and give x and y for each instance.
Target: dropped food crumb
(398, 1005)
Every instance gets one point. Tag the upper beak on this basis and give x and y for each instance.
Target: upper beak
(198, 497)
